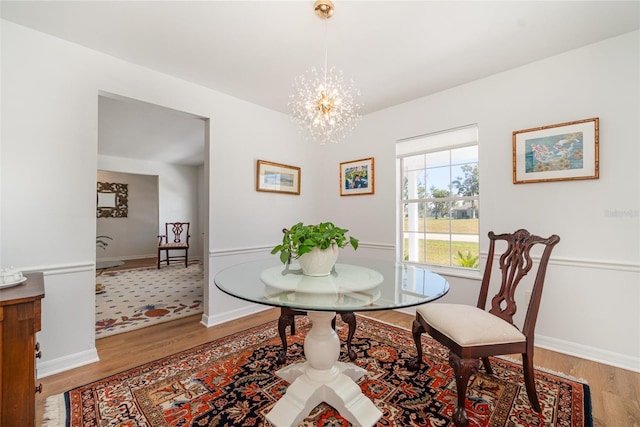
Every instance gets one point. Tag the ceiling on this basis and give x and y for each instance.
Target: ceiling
(395, 51)
(137, 130)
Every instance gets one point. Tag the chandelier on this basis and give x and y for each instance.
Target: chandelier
(323, 102)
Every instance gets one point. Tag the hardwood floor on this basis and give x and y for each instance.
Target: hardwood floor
(137, 263)
(615, 392)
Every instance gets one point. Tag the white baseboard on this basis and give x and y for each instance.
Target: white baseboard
(228, 316)
(62, 364)
(589, 353)
(126, 257)
(407, 310)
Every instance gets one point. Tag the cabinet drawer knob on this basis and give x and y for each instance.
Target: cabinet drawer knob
(39, 388)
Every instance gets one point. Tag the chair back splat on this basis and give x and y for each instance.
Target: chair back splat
(515, 263)
(176, 228)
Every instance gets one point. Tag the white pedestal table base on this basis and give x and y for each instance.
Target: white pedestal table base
(322, 379)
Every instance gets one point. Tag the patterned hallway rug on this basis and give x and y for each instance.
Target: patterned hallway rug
(231, 382)
(137, 298)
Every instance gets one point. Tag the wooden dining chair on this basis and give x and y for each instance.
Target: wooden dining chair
(176, 238)
(471, 333)
(287, 318)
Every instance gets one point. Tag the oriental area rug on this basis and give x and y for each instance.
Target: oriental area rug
(231, 382)
(137, 298)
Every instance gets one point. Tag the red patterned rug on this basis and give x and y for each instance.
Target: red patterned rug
(231, 382)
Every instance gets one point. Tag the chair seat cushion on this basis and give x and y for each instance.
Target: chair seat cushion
(174, 245)
(469, 326)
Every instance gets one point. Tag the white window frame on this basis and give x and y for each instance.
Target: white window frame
(465, 136)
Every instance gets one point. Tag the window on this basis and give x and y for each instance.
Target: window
(439, 205)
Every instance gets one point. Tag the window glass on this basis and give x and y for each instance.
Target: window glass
(440, 199)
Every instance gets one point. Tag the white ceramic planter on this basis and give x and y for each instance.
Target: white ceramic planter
(319, 262)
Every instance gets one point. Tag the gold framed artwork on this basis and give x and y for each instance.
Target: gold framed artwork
(566, 151)
(277, 178)
(356, 177)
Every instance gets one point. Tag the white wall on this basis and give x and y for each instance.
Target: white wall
(591, 302)
(133, 236)
(178, 195)
(49, 136)
(50, 94)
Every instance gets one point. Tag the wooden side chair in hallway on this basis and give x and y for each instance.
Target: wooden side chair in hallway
(176, 238)
(471, 333)
(287, 318)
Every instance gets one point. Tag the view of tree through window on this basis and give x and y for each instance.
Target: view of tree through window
(440, 200)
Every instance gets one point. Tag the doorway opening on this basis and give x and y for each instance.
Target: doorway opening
(161, 155)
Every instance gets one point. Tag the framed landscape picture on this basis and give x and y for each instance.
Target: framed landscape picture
(566, 151)
(277, 178)
(356, 177)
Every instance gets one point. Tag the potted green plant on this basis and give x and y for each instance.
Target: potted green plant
(467, 260)
(314, 246)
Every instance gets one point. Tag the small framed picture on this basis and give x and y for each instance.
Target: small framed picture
(277, 178)
(566, 151)
(356, 177)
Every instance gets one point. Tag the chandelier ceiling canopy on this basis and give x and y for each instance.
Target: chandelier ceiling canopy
(323, 102)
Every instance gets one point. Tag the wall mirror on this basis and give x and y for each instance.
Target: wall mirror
(112, 200)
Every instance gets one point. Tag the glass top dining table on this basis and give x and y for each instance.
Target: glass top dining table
(353, 285)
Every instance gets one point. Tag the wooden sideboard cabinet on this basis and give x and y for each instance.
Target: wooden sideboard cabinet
(20, 309)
